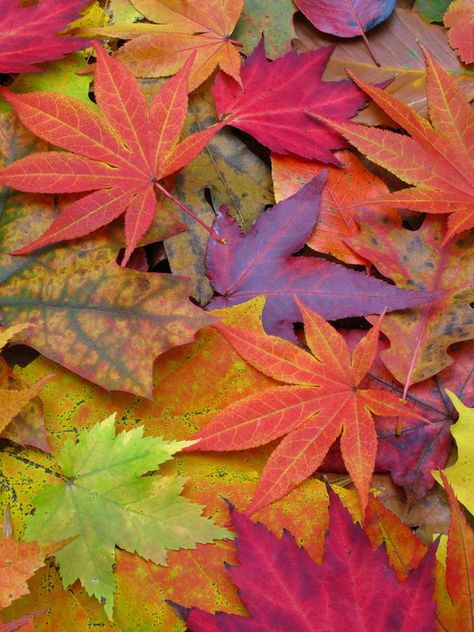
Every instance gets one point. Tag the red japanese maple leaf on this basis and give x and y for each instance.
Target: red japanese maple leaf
(29, 34)
(272, 102)
(354, 588)
(322, 396)
(438, 159)
(120, 153)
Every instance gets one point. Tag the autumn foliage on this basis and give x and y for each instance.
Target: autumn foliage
(236, 315)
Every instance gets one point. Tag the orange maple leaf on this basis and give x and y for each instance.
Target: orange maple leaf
(438, 159)
(455, 589)
(160, 49)
(120, 153)
(321, 398)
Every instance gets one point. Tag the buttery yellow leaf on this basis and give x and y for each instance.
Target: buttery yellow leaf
(461, 474)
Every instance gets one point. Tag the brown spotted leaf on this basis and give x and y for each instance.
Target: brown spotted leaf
(104, 322)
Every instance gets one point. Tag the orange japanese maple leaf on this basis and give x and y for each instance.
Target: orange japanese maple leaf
(120, 153)
(321, 398)
(455, 591)
(160, 49)
(438, 159)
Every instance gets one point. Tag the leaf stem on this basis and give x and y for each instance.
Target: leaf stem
(167, 194)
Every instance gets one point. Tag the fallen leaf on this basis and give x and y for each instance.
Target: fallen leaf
(459, 19)
(459, 474)
(118, 153)
(282, 588)
(455, 588)
(160, 48)
(103, 500)
(437, 159)
(345, 186)
(420, 337)
(273, 20)
(18, 562)
(261, 262)
(397, 48)
(431, 10)
(323, 399)
(71, 293)
(30, 33)
(228, 173)
(181, 406)
(275, 111)
(348, 18)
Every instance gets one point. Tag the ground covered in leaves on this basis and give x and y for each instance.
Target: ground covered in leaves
(237, 324)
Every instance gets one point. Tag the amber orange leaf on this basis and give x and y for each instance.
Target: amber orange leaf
(175, 29)
(438, 159)
(321, 397)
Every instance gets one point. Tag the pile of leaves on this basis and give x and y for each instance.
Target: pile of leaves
(237, 315)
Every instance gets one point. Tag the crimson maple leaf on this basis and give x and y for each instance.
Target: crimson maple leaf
(323, 399)
(353, 589)
(120, 153)
(438, 159)
(28, 34)
(274, 98)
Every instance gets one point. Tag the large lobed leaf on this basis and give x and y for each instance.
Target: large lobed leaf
(104, 322)
(321, 397)
(274, 111)
(283, 589)
(119, 153)
(261, 262)
(438, 159)
(102, 500)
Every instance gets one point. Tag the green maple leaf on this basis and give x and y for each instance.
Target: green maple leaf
(102, 500)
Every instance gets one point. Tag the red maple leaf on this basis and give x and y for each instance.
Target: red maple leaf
(324, 398)
(438, 159)
(261, 262)
(272, 102)
(29, 34)
(120, 153)
(353, 589)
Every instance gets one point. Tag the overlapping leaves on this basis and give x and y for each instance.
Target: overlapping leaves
(437, 160)
(101, 499)
(120, 153)
(324, 398)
